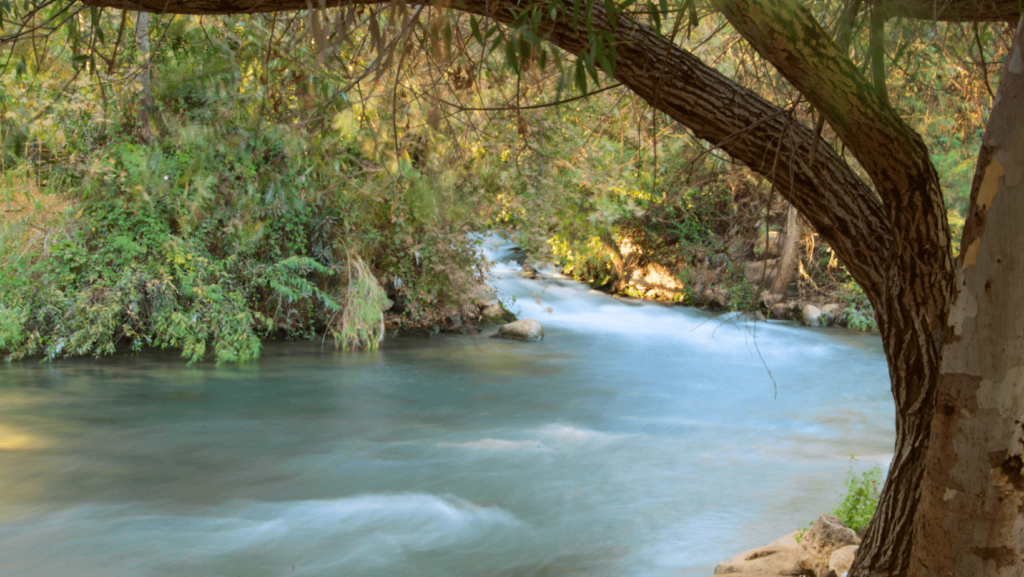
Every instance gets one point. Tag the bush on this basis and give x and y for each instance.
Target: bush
(858, 506)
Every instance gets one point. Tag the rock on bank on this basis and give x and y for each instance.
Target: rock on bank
(826, 549)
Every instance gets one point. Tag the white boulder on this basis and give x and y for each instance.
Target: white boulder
(529, 330)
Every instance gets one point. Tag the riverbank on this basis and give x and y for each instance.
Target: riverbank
(652, 282)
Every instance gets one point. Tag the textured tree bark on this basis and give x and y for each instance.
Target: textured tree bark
(970, 518)
(952, 10)
(618, 263)
(788, 259)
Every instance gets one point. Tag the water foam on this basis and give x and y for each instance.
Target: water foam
(351, 535)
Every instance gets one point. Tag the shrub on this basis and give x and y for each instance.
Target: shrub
(861, 498)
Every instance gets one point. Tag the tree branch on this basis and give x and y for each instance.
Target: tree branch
(952, 10)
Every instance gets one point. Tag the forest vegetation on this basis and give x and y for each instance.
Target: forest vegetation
(224, 176)
(194, 182)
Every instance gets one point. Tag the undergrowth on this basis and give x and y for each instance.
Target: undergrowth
(230, 223)
(861, 499)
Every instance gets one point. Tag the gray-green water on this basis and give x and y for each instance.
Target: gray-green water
(634, 440)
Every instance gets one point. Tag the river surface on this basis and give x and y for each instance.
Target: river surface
(635, 440)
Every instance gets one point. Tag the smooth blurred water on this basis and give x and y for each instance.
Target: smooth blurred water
(635, 440)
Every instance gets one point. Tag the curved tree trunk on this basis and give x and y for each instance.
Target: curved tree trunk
(970, 520)
(911, 310)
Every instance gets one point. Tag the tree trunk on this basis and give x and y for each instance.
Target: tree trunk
(970, 519)
(790, 256)
(912, 306)
(952, 10)
(618, 263)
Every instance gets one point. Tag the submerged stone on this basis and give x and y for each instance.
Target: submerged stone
(528, 330)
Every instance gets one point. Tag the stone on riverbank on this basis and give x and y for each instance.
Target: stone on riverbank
(483, 295)
(529, 330)
(529, 272)
(490, 311)
(828, 545)
(783, 556)
(827, 535)
(842, 559)
(810, 315)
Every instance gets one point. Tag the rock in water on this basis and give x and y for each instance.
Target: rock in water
(810, 315)
(522, 330)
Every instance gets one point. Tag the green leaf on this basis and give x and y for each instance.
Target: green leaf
(581, 76)
(475, 29)
(592, 69)
(526, 49)
(511, 58)
(601, 53)
(655, 16)
(611, 11)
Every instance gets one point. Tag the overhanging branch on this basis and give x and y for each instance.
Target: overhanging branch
(952, 10)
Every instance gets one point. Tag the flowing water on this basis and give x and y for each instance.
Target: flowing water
(635, 440)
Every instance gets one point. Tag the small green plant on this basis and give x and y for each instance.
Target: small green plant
(861, 498)
(802, 532)
(507, 305)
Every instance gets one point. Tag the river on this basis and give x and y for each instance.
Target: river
(637, 439)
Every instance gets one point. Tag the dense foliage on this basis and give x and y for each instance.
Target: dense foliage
(203, 184)
(236, 217)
